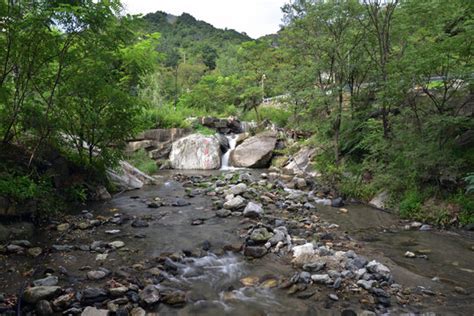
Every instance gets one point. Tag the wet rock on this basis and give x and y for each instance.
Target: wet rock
(93, 311)
(260, 235)
(37, 293)
(112, 232)
(410, 254)
(43, 308)
(337, 202)
(93, 295)
(426, 227)
(180, 202)
(15, 249)
(223, 213)
(48, 281)
(35, 252)
(279, 235)
(149, 295)
(460, 290)
(206, 245)
(176, 298)
(379, 292)
(255, 251)
(235, 203)
(153, 205)
(198, 222)
(253, 210)
(138, 223)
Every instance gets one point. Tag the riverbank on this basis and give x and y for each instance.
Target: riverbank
(184, 244)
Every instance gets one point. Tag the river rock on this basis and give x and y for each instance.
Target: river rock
(255, 251)
(176, 298)
(253, 210)
(379, 269)
(321, 278)
(196, 151)
(35, 251)
(93, 295)
(223, 213)
(254, 152)
(93, 311)
(116, 244)
(301, 161)
(380, 200)
(235, 203)
(137, 311)
(37, 293)
(237, 189)
(43, 308)
(48, 281)
(260, 235)
(150, 295)
(96, 275)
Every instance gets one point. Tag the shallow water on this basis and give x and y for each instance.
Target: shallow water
(211, 278)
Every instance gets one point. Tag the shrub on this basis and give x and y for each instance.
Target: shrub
(410, 205)
(142, 161)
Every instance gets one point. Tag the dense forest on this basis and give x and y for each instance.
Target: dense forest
(384, 88)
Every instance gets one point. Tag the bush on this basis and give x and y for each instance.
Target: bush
(410, 205)
(142, 161)
(280, 117)
(18, 188)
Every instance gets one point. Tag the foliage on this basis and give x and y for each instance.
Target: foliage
(141, 160)
(204, 130)
(278, 116)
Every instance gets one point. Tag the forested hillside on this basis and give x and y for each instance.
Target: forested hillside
(384, 88)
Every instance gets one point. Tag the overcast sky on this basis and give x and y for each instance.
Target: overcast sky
(254, 17)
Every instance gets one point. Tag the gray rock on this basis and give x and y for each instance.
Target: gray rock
(379, 269)
(150, 295)
(254, 152)
(48, 281)
(237, 189)
(260, 235)
(366, 284)
(138, 223)
(223, 213)
(253, 210)
(426, 227)
(304, 277)
(235, 203)
(255, 251)
(92, 311)
(137, 311)
(62, 248)
(43, 308)
(37, 293)
(196, 151)
(92, 295)
(22, 243)
(333, 297)
(96, 275)
(321, 278)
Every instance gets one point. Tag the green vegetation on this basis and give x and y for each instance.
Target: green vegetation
(385, 88)
(142, 161)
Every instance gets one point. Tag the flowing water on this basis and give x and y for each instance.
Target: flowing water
(225, 158)
(212, 278)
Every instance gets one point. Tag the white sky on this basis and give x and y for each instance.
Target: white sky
(254, 17)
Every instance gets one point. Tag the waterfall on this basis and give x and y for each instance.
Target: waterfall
(225, 158)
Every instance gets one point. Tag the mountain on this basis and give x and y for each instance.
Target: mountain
(186, 32)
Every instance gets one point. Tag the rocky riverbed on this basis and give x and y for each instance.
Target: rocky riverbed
(240, 243)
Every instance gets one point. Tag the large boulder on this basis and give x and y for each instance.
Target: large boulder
(254, 152)
(196, 151)
(301, 161)
(128, 177)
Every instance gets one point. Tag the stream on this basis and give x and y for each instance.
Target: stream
(175, 217)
